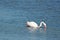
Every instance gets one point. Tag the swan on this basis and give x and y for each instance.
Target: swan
(34, 25)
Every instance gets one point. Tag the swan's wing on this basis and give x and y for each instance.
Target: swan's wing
(33, 24)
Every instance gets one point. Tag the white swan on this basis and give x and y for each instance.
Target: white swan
(35, 25)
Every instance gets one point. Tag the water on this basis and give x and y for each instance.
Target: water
(15, 13)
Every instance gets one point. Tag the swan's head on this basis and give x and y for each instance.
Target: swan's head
(42, 22)
(45, 26)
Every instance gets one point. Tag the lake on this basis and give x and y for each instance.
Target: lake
(15, 13)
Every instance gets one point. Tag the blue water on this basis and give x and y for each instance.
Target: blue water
(15, 13)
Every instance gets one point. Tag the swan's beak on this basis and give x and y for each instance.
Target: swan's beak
(45, 27)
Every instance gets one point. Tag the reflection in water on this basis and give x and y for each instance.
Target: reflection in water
(36, 34)
(38, 29)
(31, 29)
(42, 30)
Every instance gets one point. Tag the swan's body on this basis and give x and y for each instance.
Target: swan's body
(32, 24)
(35, 25)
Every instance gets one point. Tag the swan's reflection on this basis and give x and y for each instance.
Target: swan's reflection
(35, 29)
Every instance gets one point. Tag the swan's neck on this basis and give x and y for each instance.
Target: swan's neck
(42, 23)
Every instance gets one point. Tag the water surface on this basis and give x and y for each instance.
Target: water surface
(15, 13)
